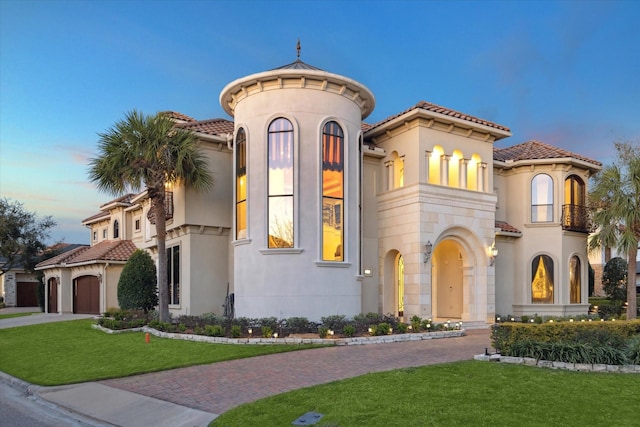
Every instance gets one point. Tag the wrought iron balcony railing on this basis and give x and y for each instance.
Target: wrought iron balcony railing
(575, 218)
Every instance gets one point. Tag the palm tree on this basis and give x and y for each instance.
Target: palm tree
(615, 200)
(149, 152)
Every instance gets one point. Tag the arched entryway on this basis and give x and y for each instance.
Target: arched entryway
(448, 280)
(52, 292)
(86, 295)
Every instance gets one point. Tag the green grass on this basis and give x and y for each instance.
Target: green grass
(456, 394)
(72, 352)
(10, 315)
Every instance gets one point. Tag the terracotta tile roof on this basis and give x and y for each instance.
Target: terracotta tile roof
(506, 227)
(178, 116)
(445, 111)
(126, 199)
(63, 257)
(108, 250)
(210, 127)
(535, 150)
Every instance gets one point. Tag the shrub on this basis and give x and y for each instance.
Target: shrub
(402, 328)
(267, 331)
(335, 322)
(323, 332)
(633, 350)
(137, 287)
(214, 330)
(614, 279)
(295, 325)
(382, 329)
(236, 331)
(349, 330)
(416, 323)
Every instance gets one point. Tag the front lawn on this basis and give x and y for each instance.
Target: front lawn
(73, 352)
(467, 393)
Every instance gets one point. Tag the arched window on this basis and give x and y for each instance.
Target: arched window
(575, 280)
(435, 161)
(474, 172)
(241, 184)
(574, 211)
(281, 173)
(332, 192)
(542, 280)
(454, 168)
(542, 198)
(116, 229)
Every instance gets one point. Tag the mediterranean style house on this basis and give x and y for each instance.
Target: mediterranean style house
(316, 212)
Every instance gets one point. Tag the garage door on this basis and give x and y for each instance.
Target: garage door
(27, 294)
(86, 295)
(53, 296)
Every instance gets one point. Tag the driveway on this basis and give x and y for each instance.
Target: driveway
(36, 318)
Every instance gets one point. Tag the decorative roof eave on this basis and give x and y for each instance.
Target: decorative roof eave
(241, 88)
(510, 164)
(102, 216)
(489, 133)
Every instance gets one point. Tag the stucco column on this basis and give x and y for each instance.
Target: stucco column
(427, 156)
(389, 168)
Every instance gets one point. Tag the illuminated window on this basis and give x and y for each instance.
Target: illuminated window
(574, 211)
(542, 198)
(241, 184)
(280, 163)
(435, 161)
(454, 169)
(542, 280)
(116, 229)
(574, 280)
(400, 268)
(332, 192)
(398, 172)
(473, 172)
(173, 274)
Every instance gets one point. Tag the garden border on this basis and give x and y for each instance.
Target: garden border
(292, 341)
(581, 367)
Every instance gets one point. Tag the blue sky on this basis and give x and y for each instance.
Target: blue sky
(563, 72)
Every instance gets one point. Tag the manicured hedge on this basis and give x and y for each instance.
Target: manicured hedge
(579, 342)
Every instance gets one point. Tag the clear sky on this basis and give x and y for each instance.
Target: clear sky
(563, 72)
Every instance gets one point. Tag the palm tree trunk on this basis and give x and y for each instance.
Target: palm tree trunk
(158, 204)
(631, 283)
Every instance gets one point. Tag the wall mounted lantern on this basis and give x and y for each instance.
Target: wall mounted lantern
(428, 247)
(493, 254)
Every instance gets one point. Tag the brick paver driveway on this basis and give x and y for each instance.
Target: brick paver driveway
(218, 387)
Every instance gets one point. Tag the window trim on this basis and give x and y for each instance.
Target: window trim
(246, 184)
(551, 205)
(170, 274)
(535, 261)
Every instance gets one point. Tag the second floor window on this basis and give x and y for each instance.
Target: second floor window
(116, 229)
(542, 198)
(281, 174)
(332, 192)
(241, 184)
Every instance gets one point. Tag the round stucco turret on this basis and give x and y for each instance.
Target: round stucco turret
(311, 268)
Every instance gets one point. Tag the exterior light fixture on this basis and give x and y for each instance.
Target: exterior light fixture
(275, 335)
(493, 254)
(428, 247)
(250, 331)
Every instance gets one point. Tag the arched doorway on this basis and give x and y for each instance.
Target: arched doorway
(448, 280)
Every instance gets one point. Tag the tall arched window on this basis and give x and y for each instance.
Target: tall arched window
(281, 173)
(435, 162)
(574, 211)
(542, 280)
(332, 192)
(542, 198)
(241, 184)
(575, 280)
(116, 229)
(454, 168)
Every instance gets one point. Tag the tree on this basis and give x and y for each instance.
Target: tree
(22, 236)
(615, 202)
(148, 152)
(137, 286)
(614, 279)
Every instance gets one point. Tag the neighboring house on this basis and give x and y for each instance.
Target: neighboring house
(599, 258)
(315, 212)
(18, 286)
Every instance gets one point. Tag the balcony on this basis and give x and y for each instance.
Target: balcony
(575, 218)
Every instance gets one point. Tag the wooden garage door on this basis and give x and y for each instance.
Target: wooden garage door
(53, 296)
(86, 295)
(27, 294)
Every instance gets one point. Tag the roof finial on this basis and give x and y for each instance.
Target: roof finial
(298, 47)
